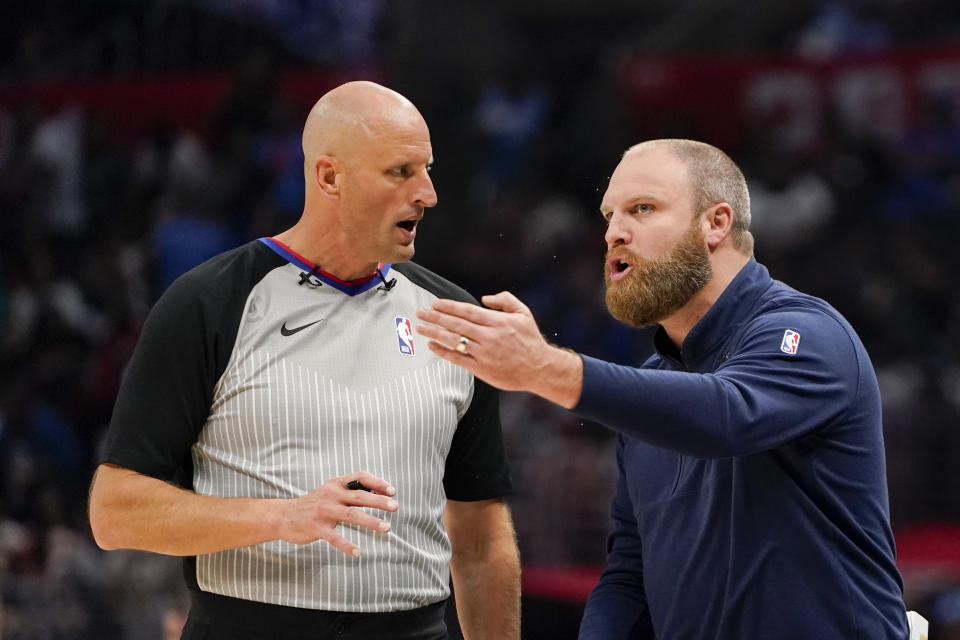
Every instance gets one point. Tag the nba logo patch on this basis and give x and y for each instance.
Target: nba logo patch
(405, 336)
(790, 342)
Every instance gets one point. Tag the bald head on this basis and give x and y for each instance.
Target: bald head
(346, 117)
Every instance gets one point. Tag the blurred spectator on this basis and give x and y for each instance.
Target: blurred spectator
(844, 26)
(510, 113)
(789, 203)
(945, 615)
(57, 147)
(278, 151)
(191, 227)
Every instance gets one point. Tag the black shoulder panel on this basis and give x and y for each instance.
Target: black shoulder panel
(186, 342)
(440, 287)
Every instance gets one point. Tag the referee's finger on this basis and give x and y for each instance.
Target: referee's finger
(357, 498)
(359, 517)
(338, 541)
(372, 482)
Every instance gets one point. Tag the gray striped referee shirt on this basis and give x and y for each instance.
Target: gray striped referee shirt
(255, 377)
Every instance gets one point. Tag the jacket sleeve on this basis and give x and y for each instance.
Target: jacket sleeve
(617, 606)
(758, 399)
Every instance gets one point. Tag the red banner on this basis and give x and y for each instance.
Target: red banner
(132, 106)
(721, 99)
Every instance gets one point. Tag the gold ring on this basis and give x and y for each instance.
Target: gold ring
(462, 345)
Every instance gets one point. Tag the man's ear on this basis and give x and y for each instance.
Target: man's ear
(326, 175)
(718, 224)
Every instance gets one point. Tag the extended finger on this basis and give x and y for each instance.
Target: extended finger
(437, 333)
(506, 301)
(471, 312)
(371, 481)
(342, 543)
(359, 517)
(455, 324)
(361, 498)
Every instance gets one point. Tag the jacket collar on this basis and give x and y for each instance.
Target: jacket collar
(735, 305)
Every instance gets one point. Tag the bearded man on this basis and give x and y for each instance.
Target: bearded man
(752, 496)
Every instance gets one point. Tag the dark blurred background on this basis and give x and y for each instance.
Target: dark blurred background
(138, 138)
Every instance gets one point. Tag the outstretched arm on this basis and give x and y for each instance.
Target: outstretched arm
(757, 399)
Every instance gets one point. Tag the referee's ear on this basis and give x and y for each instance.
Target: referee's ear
(326, 175)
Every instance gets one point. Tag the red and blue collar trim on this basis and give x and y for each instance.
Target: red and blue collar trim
(351, 288)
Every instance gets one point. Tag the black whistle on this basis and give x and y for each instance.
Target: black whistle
(356, 485)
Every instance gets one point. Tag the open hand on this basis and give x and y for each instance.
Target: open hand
(315, 516)
(502, 346)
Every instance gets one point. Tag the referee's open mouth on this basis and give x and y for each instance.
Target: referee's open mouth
(408, 227)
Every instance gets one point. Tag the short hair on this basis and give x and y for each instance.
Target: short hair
(715, 178)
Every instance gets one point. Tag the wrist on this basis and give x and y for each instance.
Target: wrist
(560, 379)
(270, 520)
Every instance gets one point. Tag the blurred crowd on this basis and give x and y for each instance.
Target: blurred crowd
(93, 228)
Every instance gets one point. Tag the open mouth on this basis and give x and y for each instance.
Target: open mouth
(408, 228)
(618, 268)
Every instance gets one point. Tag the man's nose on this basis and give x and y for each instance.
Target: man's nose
(617, 233)
(425, 195)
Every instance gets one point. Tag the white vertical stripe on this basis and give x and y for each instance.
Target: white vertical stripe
(248, 401)
(368, 540)
(415, 429)
(403, 429)
(328, 551)
(338, 581)
(285, 425)
(314, 430)
(429, 476)
(299, 481)
(256, 566)
(415, 455)
(272, 421)
(350, 438)
(217, 559)
(383, 576)
(236, 427)
(436, 425)
(244, 419)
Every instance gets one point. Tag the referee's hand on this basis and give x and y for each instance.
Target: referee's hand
(316, 515)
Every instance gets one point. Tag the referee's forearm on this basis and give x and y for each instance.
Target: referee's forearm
(132, 511)
(487, 589)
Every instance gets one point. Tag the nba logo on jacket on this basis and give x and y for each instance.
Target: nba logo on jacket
(791, 340)
(405, 336)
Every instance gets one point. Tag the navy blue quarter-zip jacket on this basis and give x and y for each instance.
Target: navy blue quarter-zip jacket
(752, 496)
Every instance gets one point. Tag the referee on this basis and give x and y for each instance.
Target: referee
(322, 473)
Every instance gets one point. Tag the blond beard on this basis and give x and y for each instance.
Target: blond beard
(655, 289)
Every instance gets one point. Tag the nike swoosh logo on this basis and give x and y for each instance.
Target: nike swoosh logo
(289, 332)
